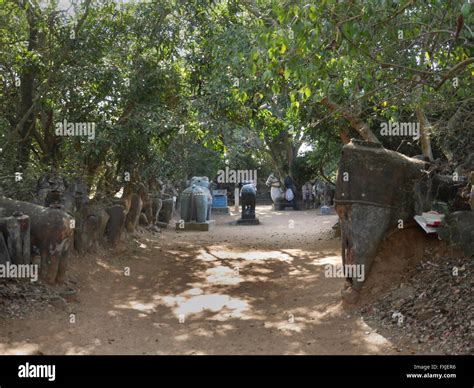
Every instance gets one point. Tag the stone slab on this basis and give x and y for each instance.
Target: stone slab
(221, 210)
(249, 221)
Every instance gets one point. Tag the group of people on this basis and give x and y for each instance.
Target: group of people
(317, 194)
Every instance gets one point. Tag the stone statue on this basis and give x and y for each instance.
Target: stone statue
(248, 197)
(196, 200)
(282, 195)
(306, 192)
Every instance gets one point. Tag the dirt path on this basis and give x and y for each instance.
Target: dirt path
(234, 290)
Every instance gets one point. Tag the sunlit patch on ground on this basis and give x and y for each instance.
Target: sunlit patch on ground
(81, 350)
(292, 324)
(217, 303)
(298, 272)
(251, 255)
(373, 341)
(137, 305)
(331, 260)
(205, 256)
(223, 275)
(18, 348)
(194, 291)
(109, 267)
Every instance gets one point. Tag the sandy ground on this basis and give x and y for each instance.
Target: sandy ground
(234, 290)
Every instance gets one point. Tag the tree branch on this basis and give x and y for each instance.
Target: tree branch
(356, 122)
(460, 66)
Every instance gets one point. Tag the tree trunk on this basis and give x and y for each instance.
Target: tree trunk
(424, 134)
(356, 122)
(282, 152)
(26, 117)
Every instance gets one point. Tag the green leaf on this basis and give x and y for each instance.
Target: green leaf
(312, 13)
(307, 92)
(254, 69)
(465, 9)
(267, 75)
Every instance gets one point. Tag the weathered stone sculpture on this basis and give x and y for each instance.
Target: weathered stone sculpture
(117, 214)
(374, 192)
(169, 196)
(76, 196)
(166, 211)
(51, 232)
(136, 204)
(50, 189)
(324, 193)
(89, 231)
(196, 203)
(282, 196)
(158, 204)
(248, 196)
(14, 238)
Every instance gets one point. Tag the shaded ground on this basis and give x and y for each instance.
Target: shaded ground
(234, 290)
(432, 306)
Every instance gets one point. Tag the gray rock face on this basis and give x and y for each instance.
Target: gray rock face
(374, 191)
(458, 229)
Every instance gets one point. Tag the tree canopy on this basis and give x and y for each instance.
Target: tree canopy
(178, 87)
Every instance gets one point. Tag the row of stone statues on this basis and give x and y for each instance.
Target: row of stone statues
(196, 204)
(62, 217)
(321, 193)
(196, 199)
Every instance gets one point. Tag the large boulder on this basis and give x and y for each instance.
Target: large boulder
(374, 193)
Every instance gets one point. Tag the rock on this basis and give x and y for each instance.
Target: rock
(155, 229)
(458, 229)
(426, 315)
(403, 292)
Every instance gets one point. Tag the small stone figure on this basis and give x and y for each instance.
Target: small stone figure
(306, 191)
(248, 197)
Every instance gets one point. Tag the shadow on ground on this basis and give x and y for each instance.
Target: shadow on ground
(235, 290)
